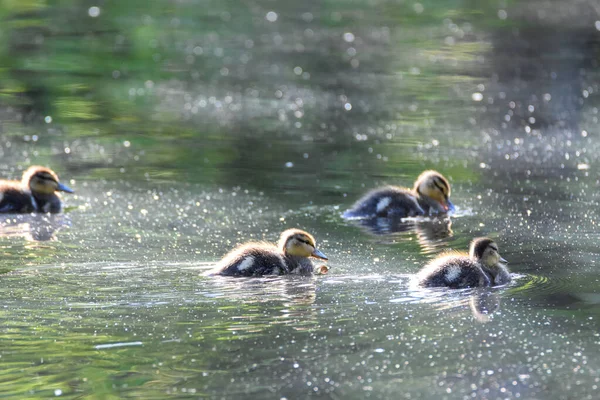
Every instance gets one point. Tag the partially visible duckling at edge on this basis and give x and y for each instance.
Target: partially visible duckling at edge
(430, 195)
(35, 192)
(290, 256)
(483, 266)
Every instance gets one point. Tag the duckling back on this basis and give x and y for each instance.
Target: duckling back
(454, 271)
(14, 199)
(257, 259)
(386, 201)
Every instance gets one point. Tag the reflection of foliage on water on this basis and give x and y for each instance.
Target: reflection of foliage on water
(210, 96)
(212, 92)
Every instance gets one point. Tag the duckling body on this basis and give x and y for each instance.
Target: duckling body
(13, 199)
(482, 267)
(454, 271)
(291, 256)
(35, 192)
(429, 196)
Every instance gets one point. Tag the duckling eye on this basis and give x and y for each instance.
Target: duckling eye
(304, 241)
(45, 177)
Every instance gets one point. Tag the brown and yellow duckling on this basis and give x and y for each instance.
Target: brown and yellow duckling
(35, 192)
(430, 195)
(483, 266)
(290, 256)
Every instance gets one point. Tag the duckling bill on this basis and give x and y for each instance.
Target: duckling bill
(430, 195)
(482, 267)
(36, 192)
(290, 256)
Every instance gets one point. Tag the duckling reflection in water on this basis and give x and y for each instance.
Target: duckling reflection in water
(294, 289)
(484, 304)
(483, 266)
(429, 196)
(432, 234)
(33, 227)
(290, 256)
(35, 192)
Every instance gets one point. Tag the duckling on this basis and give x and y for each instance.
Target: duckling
(430, 195)
(290, 256)
(483, 266)
(35, 192)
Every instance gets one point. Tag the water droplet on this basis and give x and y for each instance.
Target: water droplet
(477, 96)
(271, 16)
(94, 11)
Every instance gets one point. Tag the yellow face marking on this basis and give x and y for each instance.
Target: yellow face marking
(43, 183)
(491, 256)
(300, 245)
(434, 186)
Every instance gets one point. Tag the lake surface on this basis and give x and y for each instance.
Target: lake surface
(187, 127)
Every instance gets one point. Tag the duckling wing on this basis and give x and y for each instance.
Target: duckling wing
(454, 271)
(8, 208)
(386, 201)
(13, 201)
(253, 259)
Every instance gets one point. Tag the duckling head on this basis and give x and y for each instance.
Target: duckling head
(432, 184)
(296, 242)
(43, 181)
(485, 250)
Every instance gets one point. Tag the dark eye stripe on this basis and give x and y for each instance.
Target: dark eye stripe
(443, 183)
(46, 177)
(439, 187)
(303, 240)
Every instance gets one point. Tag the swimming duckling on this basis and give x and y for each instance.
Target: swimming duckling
(483, 266)
(430, 195)
(291, 256)
(35, 192)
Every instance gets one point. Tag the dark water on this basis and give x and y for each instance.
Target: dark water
(187, 127)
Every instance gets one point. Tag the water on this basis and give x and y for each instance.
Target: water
(188, 127)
